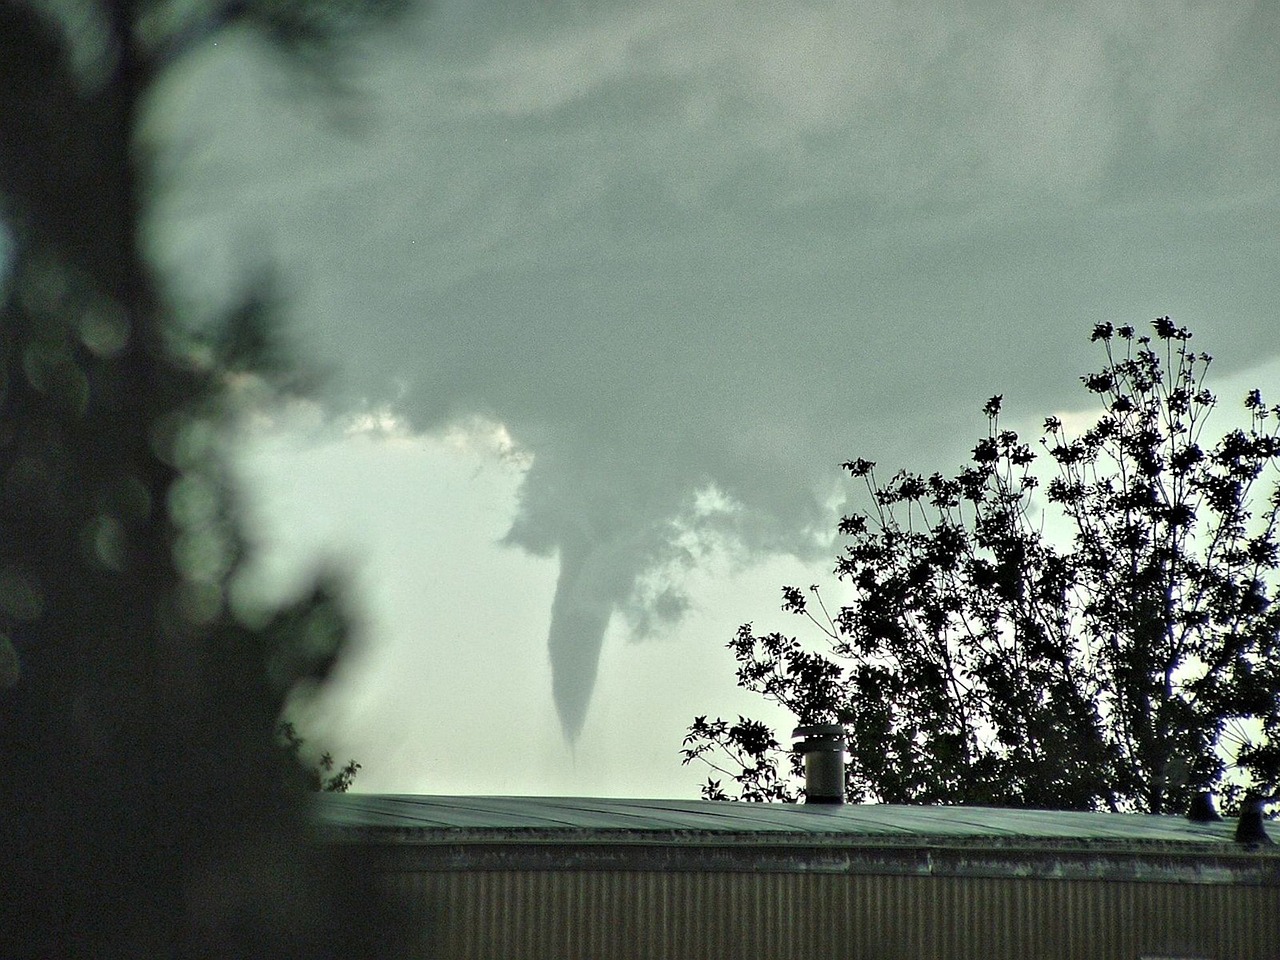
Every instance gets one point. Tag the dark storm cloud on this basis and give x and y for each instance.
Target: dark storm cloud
(680, 247)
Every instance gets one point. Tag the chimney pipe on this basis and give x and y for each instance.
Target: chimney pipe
(823, 747)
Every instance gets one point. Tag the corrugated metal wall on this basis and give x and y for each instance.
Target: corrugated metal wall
(602, 915)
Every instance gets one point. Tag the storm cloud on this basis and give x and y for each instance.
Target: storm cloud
(691, 254)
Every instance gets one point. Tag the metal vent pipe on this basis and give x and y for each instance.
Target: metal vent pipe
(823, 747)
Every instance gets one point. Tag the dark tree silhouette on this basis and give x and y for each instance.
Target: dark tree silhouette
(979, 658)
(320, 778)
(144, 812)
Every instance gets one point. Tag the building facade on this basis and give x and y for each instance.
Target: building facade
(508, 877)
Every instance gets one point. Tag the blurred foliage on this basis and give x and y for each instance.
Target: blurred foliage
(978, 660)
(145, 813)
(320, 778)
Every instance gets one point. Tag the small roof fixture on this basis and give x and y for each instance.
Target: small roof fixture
(823, 747)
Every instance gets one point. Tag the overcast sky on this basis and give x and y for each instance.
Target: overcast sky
(606, 291)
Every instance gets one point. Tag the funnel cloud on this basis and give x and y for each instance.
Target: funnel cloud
(579, 617)
(691, 254)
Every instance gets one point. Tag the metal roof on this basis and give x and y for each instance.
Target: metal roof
(441, 817)
(408, 835)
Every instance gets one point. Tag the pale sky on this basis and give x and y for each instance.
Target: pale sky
(605, 292)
